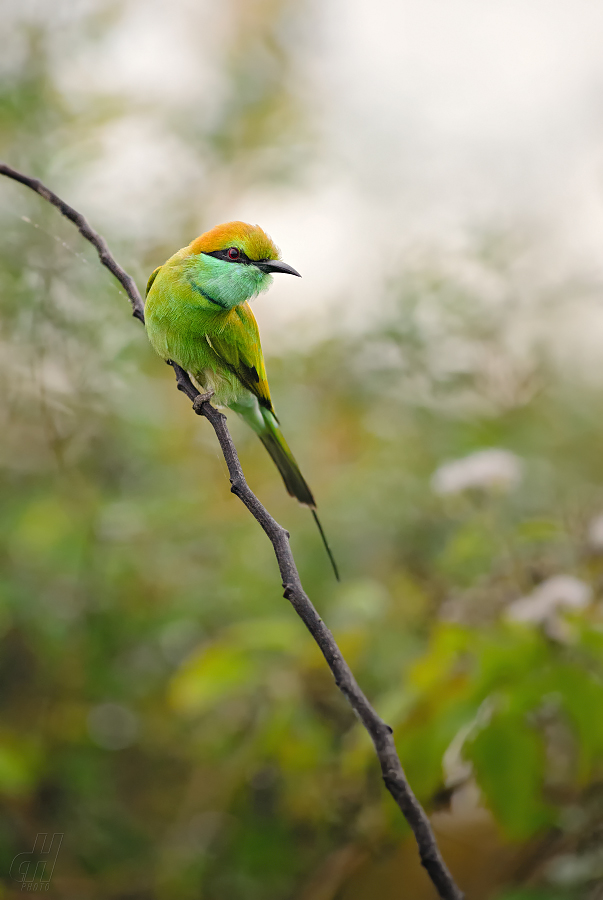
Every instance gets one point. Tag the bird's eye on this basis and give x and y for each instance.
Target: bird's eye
(233, 253)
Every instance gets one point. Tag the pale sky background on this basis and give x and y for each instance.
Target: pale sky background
(434, 119)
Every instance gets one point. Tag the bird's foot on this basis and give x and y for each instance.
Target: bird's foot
(200, 399)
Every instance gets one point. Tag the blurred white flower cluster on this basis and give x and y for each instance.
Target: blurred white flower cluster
(488, 470)
(549, 598)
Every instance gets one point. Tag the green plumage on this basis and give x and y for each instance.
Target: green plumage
(197, 315)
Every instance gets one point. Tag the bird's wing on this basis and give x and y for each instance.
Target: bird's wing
(152, 278)
(238, 346)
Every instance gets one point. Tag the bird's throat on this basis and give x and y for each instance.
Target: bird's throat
(224, 284)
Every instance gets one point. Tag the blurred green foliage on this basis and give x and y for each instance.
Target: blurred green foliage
(161, 704)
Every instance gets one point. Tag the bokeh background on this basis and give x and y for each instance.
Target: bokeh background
(434, 170)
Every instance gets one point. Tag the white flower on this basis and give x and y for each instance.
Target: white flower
(556, 593)
(492, 469)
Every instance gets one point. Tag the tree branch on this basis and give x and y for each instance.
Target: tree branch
(97, 241)
(380, 733)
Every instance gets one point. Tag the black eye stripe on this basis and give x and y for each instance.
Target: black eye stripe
(223, 254)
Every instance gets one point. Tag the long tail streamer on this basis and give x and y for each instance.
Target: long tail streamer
(326, 543)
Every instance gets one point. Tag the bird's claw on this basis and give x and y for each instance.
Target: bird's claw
(200, 399)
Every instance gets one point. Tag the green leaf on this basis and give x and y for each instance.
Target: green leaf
(508, 758)
(210, 676)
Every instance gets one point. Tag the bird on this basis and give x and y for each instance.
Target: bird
(197, 314)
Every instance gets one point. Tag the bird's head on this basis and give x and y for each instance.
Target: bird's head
(232, 263)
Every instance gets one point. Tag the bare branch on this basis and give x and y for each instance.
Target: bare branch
(380, 733)
(85, 229)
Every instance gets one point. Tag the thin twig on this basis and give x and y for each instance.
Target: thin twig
(97, 241)
(380, 733)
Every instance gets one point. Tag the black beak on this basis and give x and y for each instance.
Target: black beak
(275, 265)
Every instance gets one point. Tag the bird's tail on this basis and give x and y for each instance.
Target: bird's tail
(273, 440)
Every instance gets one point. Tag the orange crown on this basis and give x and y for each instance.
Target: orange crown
(251, 239)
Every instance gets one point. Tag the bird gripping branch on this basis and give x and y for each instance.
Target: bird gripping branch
(197, 314)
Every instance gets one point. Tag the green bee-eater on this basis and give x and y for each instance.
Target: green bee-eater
(197, 315)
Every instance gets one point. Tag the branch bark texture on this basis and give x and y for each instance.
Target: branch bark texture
(380, 733)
